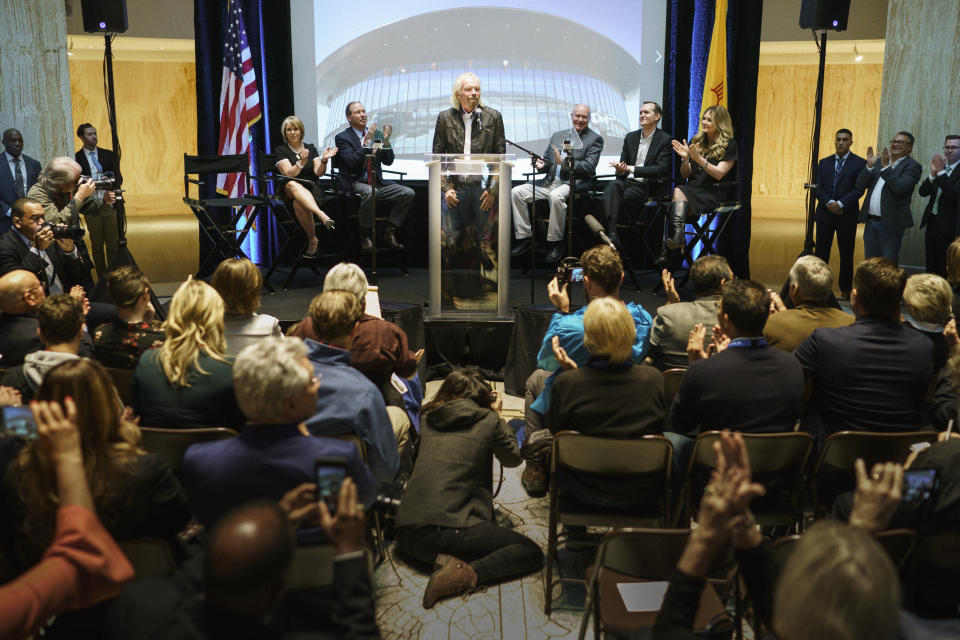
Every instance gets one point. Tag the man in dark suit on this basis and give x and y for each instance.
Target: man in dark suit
(30, 246)
(747, 386)
(555, 186)
(644, 159)
(942, 214)
(873, 374)
(17, 175)
(99, 213)
(889, 179)
(354, 144)
(838, 205)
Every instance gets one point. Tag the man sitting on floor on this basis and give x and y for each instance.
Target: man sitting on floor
(810, 283)
(602, 276)
(748, 386)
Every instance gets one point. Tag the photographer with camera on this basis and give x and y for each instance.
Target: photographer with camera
(602, 274)
(35, 246)
(98, 211)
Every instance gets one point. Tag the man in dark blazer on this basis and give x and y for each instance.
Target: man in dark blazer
(21, 294)
(17, 175)
(55, 262)
(838, 206)
(99, 213)
(354, 144)
(555, 185)
(873, 374)
(644, 159)
(942, 213)
(748, 386)
(889, 179)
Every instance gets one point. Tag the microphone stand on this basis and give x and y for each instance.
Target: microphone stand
(531, 179)
(568, 161)
(372, 181)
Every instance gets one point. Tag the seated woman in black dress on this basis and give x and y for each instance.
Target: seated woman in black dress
(304, 162)
(707, 164)
(446, 520)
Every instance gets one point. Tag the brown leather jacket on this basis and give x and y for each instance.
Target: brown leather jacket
(488, 138)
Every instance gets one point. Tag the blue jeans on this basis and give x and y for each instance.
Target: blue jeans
(881, 239)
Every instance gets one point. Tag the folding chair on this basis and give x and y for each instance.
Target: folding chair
(171, 444)
(645, 459)
(379, 538)
(671, 384)
(840, 452)
(221, 228)
(628, 556)
(121, 380)
(777, 461)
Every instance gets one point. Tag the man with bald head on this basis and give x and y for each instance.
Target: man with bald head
(21, 294)
(237, 589)
(555, 186)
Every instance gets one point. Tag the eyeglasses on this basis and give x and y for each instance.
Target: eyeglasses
(899, 141)
(950, 148)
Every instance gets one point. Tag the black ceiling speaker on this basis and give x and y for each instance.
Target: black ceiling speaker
(104, 15)
(820, 14)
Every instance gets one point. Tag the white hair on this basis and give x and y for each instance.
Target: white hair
(347, 276)
(266, 374)
(458, 87)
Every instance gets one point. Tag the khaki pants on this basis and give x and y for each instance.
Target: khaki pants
(101, 223)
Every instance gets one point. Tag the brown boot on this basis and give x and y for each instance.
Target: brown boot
(454, 578)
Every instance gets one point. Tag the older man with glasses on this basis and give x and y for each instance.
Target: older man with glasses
(889, 179)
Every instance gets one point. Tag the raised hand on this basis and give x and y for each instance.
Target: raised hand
(681, 149)
(937, 164)
(561, 355)
(347, 529)
(871, 158)
(884, 157)
(669, 287)
(329, 152)
(877, 496)
(695, 350)
(558, 295)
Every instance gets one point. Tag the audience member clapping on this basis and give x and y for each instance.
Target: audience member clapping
(674, 320)
(120, 343)
(135, 492)
(60, 320)
(83, 565)
(188, 381)
(809, 289)
(277, 390)
(447, 519)
(238, 282)
(747, 385)
(837, 583)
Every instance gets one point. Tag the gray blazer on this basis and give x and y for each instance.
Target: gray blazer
(584, 160)
(898, 184)
(671, 330)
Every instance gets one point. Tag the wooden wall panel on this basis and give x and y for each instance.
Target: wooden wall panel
(157, 122)
(785, 109)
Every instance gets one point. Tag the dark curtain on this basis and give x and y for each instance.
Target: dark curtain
(689, 23)
(268, 34)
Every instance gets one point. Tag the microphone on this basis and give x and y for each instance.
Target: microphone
(479, 112)
(597, 230)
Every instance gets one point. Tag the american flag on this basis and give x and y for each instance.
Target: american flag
(239, 99)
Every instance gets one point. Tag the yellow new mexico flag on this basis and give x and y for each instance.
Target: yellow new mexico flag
(715, 82)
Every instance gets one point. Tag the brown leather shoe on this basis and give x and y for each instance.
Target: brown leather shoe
(390, 238)
(534, 479)
(454, 578)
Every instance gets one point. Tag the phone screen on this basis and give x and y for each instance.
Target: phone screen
(18, 421)
(330, 473)
(919, 484)
(576, 274)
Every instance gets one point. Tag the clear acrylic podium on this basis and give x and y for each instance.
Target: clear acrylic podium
(469, 245)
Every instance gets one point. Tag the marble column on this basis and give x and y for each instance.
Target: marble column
(34, 76)
(920, 91)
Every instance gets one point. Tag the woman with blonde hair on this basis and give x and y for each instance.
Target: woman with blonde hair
(303, 165)
(238, 282)
(929, 301)
(135, 493)
(706, 164)
(188, 382)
